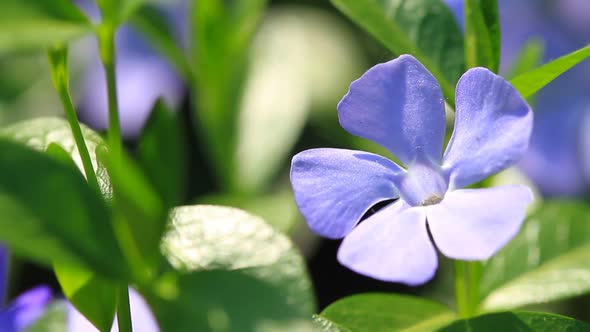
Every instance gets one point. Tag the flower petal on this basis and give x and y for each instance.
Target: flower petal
(335, 187)
(25, 309)
(399, 105)
(473, 224)
(493, 125)
(392, 245)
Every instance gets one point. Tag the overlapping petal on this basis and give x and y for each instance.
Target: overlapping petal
(335, 187)
(392, 245)
(398, 104)
(493, 124)
(473, 224)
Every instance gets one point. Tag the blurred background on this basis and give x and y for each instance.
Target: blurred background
(297, 66)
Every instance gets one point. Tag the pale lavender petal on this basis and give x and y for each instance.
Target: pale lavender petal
(392, 245)
(335, 187)
(473, 224)
(399, 105)
(493, 125)
(142, 318)
(25, 309)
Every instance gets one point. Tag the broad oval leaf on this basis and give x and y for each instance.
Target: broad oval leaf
(384, 312)
(37, 24)
(518, 321)
(205, 237)
(40, 132)
(423, 28)
(548, 260)
(51, 215)
(226, 301)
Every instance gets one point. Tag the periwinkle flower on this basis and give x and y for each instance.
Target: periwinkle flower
(399, 105)
(26, 308)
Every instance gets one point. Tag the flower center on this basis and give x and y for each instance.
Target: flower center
(434, 199)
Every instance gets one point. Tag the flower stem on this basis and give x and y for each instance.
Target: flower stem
(467, 276)
(106, 38)
(123, 311)
(58, 61)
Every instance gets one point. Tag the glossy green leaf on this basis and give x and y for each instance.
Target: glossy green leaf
(204, 237)
(479, 51)
(531, 82)
(37, 24)
(226, 301)
(518, 321)
(94, 297)
(40, 132)
(221, 32)
(384, 312)
(277, 208)
(152, 23)
(161, 153)
(548, 260)
(54, 319)
(528, 58)
(424, 28)
(51, 215)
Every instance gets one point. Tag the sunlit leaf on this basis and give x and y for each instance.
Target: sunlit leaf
(548, 260)
(204, 237)
(518, 321)
(384, 312)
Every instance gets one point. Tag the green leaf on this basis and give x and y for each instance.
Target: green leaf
(491, 16)
(479, 51)
(277, 208)
(221, 32)
(203, 237)
(529, 57)
(140, 217)
(40, 132)
(424, 28)
(152, 23)
(548, 260)
(117, 11)
(162, 154)
(94, 297)
(518, 321)
(530, 82)
(54, 319)
(37, 24)
(50, 214)
(226, 301)
(385, 312)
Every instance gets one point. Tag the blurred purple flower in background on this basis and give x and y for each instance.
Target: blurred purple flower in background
(400, 106)
(26, 308)
(142, 77)
(142, 318)
(554, 160)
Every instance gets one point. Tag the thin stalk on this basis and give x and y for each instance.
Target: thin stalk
(59, 74)
(123, 311)
(467, 275)
(106, 35)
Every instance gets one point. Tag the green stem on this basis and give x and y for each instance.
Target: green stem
(123, 311)
(106, 36)
(467, 276)
(59, 73)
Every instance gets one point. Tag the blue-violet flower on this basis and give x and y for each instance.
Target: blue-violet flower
(399, 105)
